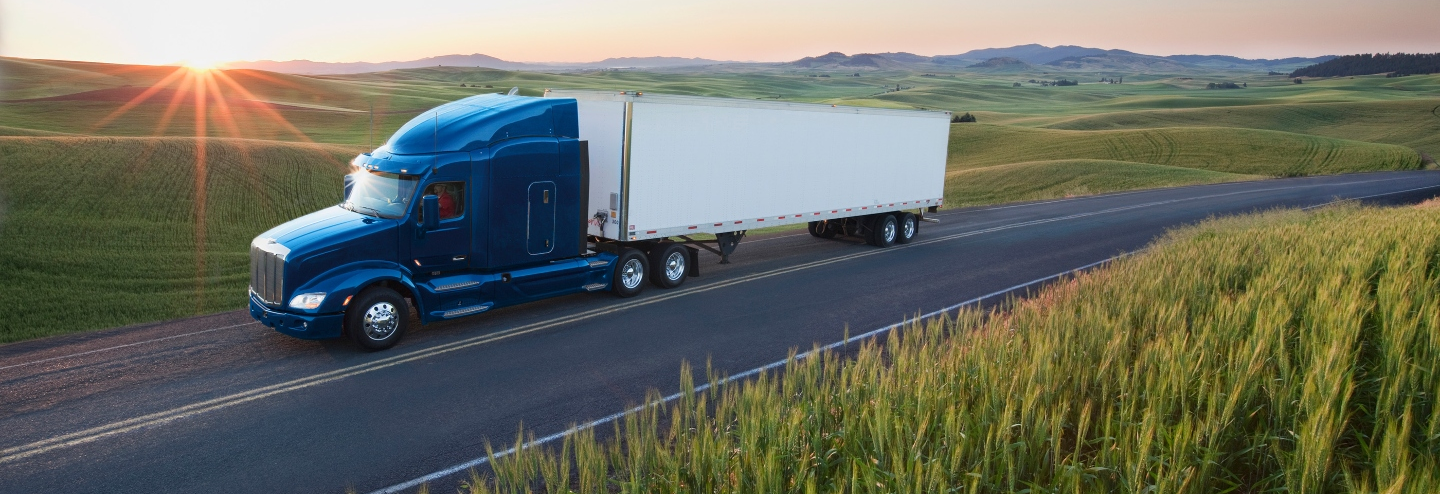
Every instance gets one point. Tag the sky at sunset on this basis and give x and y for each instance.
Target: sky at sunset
(170, 31)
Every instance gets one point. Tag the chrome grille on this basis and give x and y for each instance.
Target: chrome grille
(267, 270)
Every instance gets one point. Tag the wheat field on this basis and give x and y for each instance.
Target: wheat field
(1285, 351)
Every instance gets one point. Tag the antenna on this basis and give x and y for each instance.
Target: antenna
(513, 91)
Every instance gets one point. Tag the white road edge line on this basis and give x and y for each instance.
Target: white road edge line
(166, 416)
(1307, 208)
(613, 417)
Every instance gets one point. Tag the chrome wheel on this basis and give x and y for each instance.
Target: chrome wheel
(889, 232)
(632, 273)
(675, 266)
(909, 228)
(380, 321)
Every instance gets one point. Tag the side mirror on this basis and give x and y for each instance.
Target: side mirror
(430, 212)
(349, 184)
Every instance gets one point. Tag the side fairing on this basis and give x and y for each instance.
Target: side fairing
(535, 211)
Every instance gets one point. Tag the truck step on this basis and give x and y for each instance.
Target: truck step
(464, 311)
(455, 286)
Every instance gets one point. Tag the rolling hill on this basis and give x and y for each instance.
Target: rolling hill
(1400, 64)
(1052, 179)
(1219, 149)
(1113, 62)
(1002, 64)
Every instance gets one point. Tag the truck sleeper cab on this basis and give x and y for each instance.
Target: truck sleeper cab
(477, 204)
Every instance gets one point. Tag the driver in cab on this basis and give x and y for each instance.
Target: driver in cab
(447, 200)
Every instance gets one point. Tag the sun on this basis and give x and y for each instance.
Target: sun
(202, 63)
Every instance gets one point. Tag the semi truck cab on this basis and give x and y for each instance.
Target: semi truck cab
(515, 176)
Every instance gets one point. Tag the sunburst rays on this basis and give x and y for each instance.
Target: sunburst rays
(216, 96)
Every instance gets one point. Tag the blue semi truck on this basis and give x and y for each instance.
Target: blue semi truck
(496, 200)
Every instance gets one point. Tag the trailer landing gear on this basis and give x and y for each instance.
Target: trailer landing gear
(727, 242)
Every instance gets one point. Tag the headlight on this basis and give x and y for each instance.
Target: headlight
(307, 300)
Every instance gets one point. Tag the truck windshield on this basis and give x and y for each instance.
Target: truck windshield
(386, 195)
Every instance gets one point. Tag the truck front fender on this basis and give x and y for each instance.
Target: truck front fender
(343, 282)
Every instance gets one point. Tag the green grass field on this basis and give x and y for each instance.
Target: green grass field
(291, 133)
(1039, 180)
(1222, 149)
(1412, 123)
(109, 231)
(1280, 352)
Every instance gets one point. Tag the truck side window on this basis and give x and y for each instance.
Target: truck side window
(452, 199)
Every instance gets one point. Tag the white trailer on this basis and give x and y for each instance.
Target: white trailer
(667, 167)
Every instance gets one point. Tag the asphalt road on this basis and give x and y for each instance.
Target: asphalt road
(221, 404)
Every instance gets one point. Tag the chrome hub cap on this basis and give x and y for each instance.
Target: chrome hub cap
(632, 273)
(909, 229)
(674, 266)
(889, 232)
(381, 321)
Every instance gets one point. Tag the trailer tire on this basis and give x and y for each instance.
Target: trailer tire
(908, 228)
(378, 318)
(671, 263)
(630, 272)
(882, 230)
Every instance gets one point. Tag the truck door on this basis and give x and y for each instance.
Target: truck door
(540, 234)
(447, 247)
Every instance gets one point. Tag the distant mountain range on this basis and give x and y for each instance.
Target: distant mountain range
(1022, 57)
(1068, 57)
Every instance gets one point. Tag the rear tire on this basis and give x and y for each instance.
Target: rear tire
(377, 319)
(883, 230)
(671, 263)
(630, 272)
(909, 227)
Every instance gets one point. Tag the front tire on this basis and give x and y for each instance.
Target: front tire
(630, 272)
(909, 228)
(671, 263)
(378, 318)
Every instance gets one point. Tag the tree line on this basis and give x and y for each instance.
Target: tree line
(1061, 82)
(1377, 63)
